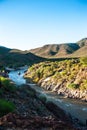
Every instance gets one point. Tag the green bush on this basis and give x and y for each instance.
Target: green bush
(83, 60)
(73, 86)
(6, 107)
(7, 85)
(84, 85)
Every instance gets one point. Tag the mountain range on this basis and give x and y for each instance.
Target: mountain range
(67, 50)
(77, 49)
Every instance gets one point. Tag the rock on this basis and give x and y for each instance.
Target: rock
(33, 123)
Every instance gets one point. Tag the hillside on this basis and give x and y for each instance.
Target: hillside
(55, 50)
(21, 109)
(82, 42)
(14, 57)
(67, 77)
(77, 49)
(82, 51)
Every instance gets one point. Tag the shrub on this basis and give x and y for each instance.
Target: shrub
(7, 85)
(6, 107)
(84, 85)
(83, 60)
(73, 86)
(64, 73)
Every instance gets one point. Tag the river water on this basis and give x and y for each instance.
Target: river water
(76, 108)
(16, 77)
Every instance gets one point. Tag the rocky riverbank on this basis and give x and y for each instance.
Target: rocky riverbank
(31, 113)
(61, 89)
(67, 78)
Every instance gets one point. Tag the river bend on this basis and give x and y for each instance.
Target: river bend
(76, 108)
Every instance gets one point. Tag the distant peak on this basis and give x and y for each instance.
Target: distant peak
(82, 42)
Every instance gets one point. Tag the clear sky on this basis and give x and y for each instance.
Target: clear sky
(27, 24)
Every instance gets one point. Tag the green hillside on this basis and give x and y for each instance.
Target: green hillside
(66, 77)
(14, 57)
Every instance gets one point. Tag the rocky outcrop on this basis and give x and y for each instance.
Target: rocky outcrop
(61, 88)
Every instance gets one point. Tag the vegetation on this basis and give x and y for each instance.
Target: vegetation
(6, 107)
(6, 87)
(5, 84)
(73, 86)
(83, 60)
(71, 73)
(16, 58)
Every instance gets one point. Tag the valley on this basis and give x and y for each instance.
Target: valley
(54, 76)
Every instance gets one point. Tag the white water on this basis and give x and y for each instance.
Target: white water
(15, 77)
(76, 108)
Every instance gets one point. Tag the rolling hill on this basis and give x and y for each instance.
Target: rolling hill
(15, 57)
(77, 49)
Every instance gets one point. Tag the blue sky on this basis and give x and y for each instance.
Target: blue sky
(27, 24)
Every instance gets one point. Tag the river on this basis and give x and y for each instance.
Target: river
(76, 108)
(17, 76)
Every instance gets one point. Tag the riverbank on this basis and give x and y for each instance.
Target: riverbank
(31, 113)
(67, 78)
(61, 89)
(74, 108)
